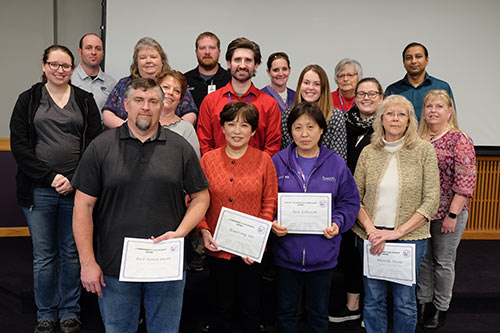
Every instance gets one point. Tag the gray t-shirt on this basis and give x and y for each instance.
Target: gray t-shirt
(58, 132)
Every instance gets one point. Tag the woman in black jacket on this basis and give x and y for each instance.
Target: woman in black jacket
(51, 125)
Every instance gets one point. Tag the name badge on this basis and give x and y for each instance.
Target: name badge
(211, 88)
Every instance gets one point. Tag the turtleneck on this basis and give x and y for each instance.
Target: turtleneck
(394, 146)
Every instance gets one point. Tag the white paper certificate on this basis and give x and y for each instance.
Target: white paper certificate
(146, 261)
(395, 264)
(242, 234)
(305, 213)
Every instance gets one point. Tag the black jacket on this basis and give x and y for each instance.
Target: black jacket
(31, 171)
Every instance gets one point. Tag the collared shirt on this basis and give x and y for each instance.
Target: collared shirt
(140, 188)
(198, 87)
(100, 86)
(416, 95)
(267, 137)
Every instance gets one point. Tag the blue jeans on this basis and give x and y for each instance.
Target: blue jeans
(121, 303)
(405, 301)
(317, 292)
(56, 268)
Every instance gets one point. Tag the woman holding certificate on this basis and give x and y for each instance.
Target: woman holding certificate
(241, 178)
(457, 167)
(398, 183)
(303, 168)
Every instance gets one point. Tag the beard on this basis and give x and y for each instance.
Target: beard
(238, 74)
(143, 124)
(207, 63)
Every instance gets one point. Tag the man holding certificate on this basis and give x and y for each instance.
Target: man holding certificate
(241, 178)
(318, 201)
(131, 185)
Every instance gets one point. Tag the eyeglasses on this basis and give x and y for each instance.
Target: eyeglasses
(391, 115)
(348, 75)
(371, 94)
(55, 66)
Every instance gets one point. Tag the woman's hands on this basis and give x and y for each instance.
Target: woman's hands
(379, 237)
(62, 185)
(279, 230)
(208, 241)
(331, 231)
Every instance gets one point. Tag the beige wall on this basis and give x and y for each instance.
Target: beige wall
(26, 29)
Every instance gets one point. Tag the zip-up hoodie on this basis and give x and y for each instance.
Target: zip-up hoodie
(330, 174)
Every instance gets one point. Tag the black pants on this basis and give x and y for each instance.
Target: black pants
(235, 282)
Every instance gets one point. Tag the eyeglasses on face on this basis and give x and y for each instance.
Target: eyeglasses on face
(55, 66)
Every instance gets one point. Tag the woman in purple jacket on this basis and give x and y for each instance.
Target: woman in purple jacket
(305, 259)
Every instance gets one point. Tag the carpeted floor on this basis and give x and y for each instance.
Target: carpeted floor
(475, 306)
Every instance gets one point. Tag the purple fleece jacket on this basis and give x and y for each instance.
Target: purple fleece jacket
(330, 174)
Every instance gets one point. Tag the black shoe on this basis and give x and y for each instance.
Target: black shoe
(345, 315)
(205, 327)
(45, 326)
(423, 312)
(71, 325)
(197, 264)
(436, 320)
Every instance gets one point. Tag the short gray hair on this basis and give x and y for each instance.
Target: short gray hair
(347, 61)
(143, 84)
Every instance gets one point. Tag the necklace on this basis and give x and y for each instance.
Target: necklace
(434, 137)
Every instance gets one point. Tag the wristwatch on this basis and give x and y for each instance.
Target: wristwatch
(452, 215)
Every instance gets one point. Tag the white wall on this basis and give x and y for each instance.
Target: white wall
(26, 29)
(463, 38)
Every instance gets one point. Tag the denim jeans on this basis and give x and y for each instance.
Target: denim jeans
(405, 302)
(437, 273)
(56, 268)
(121, 303)
(317, 293)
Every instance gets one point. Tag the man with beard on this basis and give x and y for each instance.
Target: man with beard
(209, 75)
(131, 182)
(416, 82)
(88, 75)
(243, 57)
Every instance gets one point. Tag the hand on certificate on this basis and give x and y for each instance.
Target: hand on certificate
(279, 230)
(208, 241)
(167, 235)
(331, 231)
(378, 237)
(92, 278)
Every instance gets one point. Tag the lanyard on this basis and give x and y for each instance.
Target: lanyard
(341, 103)
(230, 100)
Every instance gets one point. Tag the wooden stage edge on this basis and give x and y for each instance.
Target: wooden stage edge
(14, 232)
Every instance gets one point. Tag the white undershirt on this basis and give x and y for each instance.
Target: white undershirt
(387, 204)
(284, 95)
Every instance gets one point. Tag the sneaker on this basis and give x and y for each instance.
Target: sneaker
(45, 326)
(363, 324)
(345, 315)
(71, 325)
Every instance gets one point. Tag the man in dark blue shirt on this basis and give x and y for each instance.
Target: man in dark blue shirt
(417, 82)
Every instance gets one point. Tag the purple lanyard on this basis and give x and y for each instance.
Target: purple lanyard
(230, 100)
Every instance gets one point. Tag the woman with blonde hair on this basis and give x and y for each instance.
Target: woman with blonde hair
(457, 168)
(398, 184)
(149, 60)
(313, 87)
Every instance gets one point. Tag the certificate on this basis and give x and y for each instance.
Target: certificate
(242, 234)
(146, 261)
(305, 213)
(395, 264)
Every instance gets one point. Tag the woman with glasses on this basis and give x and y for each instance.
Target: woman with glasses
(313, 87)
(347, 74)
(359, 125)
(398, 183)
(278, 69)
(51, 125)
(148, 61)
(457, 167)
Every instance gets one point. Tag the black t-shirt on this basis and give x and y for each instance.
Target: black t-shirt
(140, 188)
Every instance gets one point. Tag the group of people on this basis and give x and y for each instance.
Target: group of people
(158, 154)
